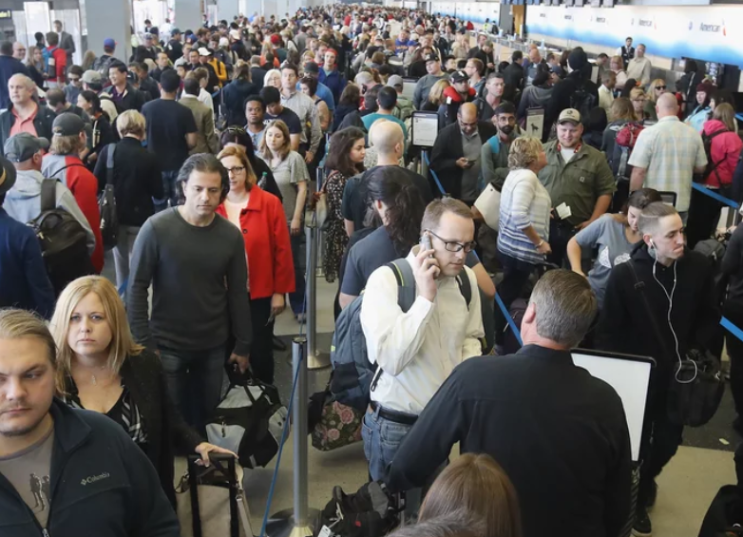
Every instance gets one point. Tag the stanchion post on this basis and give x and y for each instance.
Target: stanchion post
(315, 358)
(298, 522)
(424, 163)
(299, 422)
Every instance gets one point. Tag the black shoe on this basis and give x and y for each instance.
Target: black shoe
(642, 526)
(278, 345)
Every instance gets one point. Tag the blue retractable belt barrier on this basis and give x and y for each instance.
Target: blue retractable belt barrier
(730, 327)
(714, 195)
(509, 319)
(433, 174)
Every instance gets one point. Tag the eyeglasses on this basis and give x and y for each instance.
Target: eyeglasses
(454, 246)
(235, 170)
(660, 87)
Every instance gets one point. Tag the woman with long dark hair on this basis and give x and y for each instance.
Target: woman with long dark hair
(397, 208)
(102, 132)
(349, 102)
(237, 136)
(345, 159)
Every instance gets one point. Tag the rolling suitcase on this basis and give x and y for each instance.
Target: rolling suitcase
(211, 502)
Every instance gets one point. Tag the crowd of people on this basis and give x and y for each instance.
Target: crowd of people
(215, 143)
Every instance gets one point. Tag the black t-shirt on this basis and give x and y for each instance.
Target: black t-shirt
(287, 116)
(365, 257)
(168, 122)
(355, 202)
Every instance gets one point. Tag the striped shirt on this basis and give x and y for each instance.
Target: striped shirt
(524, 202)
(125, 412)
(670, 150)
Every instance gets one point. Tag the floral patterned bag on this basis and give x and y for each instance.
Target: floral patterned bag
(339, 426)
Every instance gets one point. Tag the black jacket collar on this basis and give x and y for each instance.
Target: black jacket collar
(539, 353)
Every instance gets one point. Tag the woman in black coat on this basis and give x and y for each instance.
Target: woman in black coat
(235, 93)
(137, 180)
(100, 368)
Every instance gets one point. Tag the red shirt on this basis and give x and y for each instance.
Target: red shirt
(59, 56)
(24, 125)
(266, 235)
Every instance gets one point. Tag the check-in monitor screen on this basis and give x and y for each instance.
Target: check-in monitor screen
(630, 378)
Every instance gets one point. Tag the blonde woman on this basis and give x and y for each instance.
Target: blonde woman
(616, 64)
(100, 368)
(436, 96)
(638, 98)
(657, 88)
(524, 223)
(290, 171)
(272, 78)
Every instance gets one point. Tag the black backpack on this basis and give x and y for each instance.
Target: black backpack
(583, 101)
(63, 240)
(711, 166)
(107, 204)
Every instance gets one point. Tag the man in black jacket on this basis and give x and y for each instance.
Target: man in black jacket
(99, 481)
(575, 91)
(681, 313)
(514, 74)
(455, 156)
(560, 434)
(25, 109)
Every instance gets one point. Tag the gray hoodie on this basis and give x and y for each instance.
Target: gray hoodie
(23, 202)
(533, 97)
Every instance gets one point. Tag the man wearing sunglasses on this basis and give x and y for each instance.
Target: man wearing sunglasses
(416, 350)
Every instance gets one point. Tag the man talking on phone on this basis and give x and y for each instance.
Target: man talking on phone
(416, 350)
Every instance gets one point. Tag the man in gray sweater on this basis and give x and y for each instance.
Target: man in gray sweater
(195, 261)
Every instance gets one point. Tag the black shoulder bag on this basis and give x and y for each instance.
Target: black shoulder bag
(107, 204)
(696, 387)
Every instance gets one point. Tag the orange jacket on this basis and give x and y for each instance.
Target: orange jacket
(263, 225)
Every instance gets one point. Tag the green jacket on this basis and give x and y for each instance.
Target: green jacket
(579, 183)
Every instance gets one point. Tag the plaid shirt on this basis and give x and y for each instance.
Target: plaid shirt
(670, 150)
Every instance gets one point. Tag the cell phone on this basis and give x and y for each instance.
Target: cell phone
(426, 242)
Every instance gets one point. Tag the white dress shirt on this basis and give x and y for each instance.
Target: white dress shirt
(418, 350)
(206, 98)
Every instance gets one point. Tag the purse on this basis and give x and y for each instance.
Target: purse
(339, 426)
(317, 214)
(107, 204)
(488, 203)
(696, 386)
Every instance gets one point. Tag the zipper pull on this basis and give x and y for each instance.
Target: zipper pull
(45, 532)
(224, 430)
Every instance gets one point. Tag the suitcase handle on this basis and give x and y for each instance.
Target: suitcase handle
(222, 466)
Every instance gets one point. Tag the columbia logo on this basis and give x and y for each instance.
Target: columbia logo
(94, 478)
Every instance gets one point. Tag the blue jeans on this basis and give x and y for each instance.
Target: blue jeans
(382, 438)
(170, 191)
(194, 380)
(296, 299)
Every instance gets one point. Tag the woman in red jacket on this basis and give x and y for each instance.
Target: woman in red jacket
(725, 148)
(260, 217)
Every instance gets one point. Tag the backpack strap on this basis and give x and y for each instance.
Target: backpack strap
(65, 167)
(465, 287)
(405, 283)
(110, 164)
(48, 195)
